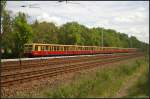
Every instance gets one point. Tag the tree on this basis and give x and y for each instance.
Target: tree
(22, 32)
(72, 33)
(45, 32)
(3, 5)
(7, 32)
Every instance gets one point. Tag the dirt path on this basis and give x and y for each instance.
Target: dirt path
(129, 83)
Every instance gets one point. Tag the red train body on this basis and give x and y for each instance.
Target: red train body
(35, 50)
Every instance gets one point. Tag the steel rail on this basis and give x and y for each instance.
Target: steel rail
(56, 71)
(46, 66)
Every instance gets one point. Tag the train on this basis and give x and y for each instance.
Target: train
(40, 50)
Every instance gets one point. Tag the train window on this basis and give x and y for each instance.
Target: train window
(72, 48)
(82, 48)
(86, 48)
(64, 48)
(52, 48)
(39, 48)
(75, 48)
(93, 48)
(47, 48)
(69, 48)
(96, 48)
(28, 47)
(36, 48)
(100, 48)
(42, 48)
(56, 48)
(79, 48)
(59, 48)
(89, 48)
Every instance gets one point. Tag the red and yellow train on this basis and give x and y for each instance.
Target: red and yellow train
(36, 49)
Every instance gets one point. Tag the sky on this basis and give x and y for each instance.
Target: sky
(129, 17)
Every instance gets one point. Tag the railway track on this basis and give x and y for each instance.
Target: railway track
(49, 65)
(52, 68)
(9, 66)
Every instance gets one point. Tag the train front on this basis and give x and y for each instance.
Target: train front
(28, 50)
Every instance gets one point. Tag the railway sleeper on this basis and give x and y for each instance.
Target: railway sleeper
(23, 67)
(28, 74)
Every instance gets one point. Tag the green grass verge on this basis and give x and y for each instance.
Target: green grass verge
(141, 88)
(103, 83)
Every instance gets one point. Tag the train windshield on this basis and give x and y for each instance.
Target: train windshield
(28, 48)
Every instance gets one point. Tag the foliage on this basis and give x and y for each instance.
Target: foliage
(140, 89)
(45, 32)
(102, 83)
(3, 5)
(22, 33)
(18, 32)
(6, 32)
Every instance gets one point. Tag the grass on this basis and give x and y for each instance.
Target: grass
(141, 88)
(103, 83)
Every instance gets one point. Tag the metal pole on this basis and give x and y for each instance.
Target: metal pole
(102, 39)
(117, 40)
(131, 43)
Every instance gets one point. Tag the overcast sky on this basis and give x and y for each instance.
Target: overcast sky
(130, 17)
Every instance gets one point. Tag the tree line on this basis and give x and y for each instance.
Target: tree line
(16, 31)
